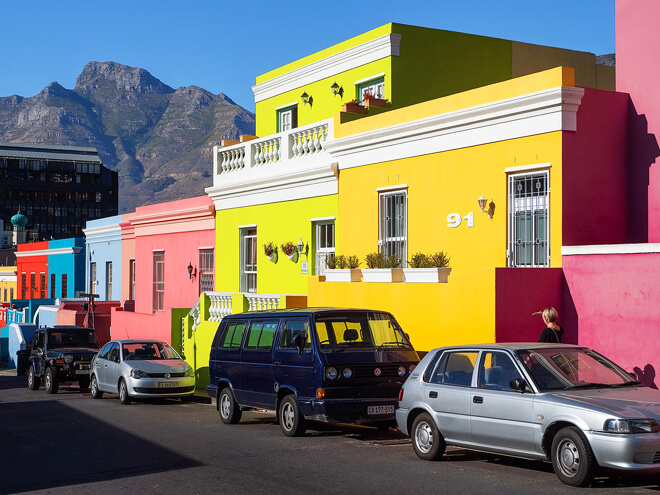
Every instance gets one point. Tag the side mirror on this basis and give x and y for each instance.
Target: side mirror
(518, 384)
(299, 343)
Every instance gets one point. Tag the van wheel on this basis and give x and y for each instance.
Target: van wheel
(230, 413)
(33, 380)
(427, 441)
(52, 381)
(292, 422)
(96, 393)
(572, 458)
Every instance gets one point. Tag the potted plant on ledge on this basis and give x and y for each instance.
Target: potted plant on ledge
(291, 251)
(270, 250)
(374, 101)
(352, 106)
(424, 268)
(343, 269)
(382, 268)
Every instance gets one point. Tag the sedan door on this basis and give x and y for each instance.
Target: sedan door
(502, 418)
(106, 369)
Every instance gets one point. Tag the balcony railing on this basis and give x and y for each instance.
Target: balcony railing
(301, 145)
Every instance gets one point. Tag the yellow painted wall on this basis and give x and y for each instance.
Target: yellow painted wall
(276, 222)
(8, 285)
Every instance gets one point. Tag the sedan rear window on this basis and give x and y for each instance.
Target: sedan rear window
(455, 368)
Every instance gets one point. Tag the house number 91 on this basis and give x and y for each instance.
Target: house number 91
(454, 220)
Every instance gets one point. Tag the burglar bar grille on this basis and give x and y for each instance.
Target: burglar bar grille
(529, 220)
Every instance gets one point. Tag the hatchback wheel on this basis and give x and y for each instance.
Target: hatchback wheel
(123, 392)
(572, 458)
(96, 393)
(292, 422)
(33, 380)
(52, 381)
(230, 412)
(427, 441)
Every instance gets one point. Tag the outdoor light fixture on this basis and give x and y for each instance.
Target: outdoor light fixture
(337, 89)
(192, 272)
(482, 205)
(302, 247)
(306, 98)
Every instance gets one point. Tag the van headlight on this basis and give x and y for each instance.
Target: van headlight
(347, 372)
(632, 426)
(331, 373)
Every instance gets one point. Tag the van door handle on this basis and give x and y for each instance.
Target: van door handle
(478, 400)
(277, 363)
(433, 395)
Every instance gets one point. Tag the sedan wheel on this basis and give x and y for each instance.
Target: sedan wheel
(572, 459)
(123, 392)
(427, 441)
(96, 393)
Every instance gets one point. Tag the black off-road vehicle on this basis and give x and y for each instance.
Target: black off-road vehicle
(61, 354)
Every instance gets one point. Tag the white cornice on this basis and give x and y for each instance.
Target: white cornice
(105, 233)
(642, 248)
(544, 111)
(48, 252)
(105, 229)
(182, 215)
(370, 51)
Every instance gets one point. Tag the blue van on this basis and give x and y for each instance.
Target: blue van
(318, 364)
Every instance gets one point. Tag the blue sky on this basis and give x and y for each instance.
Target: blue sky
(222, 46)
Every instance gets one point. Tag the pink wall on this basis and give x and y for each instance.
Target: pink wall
(617, 300)
(594, 172)
(127, 254)
(521, 291)
(637, 73)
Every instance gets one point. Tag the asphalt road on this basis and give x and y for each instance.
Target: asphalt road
(70, 443)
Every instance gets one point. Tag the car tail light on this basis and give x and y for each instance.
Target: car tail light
(400, 395)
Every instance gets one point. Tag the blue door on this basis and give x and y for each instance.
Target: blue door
(291, 368)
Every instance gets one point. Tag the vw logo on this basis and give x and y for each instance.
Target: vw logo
(167, 375)
(377, 372)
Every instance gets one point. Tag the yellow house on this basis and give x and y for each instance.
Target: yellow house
(7, 283)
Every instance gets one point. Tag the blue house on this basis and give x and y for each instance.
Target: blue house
(66, 263)
(103, 257)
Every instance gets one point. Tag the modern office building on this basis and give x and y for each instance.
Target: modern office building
(59, 188)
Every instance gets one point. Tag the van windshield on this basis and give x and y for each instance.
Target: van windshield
(351, 330)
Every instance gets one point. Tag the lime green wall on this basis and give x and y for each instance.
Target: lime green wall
(276, 222)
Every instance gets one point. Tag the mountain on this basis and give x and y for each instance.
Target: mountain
(159, 139)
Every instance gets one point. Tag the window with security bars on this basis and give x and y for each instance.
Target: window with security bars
(159, 281)
(528, 220)
(206, 264)
(108, 281)
(53, 278)
(325, 245)
(248, 260)
(23, 286)
(92, 278)
(42, 285)
(393, 225)
(65, 285)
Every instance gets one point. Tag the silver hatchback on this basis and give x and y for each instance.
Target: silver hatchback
(562, 403)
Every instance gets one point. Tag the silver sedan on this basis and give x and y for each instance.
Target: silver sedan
(140, 369)
(562, 403)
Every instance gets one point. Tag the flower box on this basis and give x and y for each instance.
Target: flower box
(352, 107)
(375, 102)
(343, 275)
(426, 275)
(382, 275)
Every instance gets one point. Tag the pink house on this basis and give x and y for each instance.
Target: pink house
(166, 248)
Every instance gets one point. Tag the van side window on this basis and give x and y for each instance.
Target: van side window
(455, 368)
(261, 335)
(233, 335)
(289, 332)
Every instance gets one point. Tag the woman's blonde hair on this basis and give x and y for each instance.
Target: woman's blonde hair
(550, 315)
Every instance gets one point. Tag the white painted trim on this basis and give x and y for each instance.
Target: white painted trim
(249, 226)
(536, 113)
(49, 252)
(392, 188)
(322, 219)
(205, 247)
(641, 248)
(294, 104)
(158, 250)
(527, 168)
(351, 58)
(367, 79)
(106, 229)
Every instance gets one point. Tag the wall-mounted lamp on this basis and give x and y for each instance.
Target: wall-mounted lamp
(306, 98)
(192, 272)
(482, 205)
(337, 89)
(303, 248)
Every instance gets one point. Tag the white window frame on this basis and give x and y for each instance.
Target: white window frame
(108, 281)
(92, 277)
(375, 86)
(389, 242)
(322, 253)
(158, 281)
(285, 118)
(248, 281)
(538, 208)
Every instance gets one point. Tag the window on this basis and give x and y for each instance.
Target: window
(455, 368)
(248, 260)
(206, 270)
(23, 286)
(496, 371)
(375, 87)
(159, 281)
(261, 335)
(528, 220)
(33, 284)
(108, 281)
(291, 329)
(5, 296)
(325, 245)
(233, 335)
(42, 285)
(11, 293)
(287, 118)
(131, 287)
(53, 277)
(393, 224)
(65, 287)
(92, 278)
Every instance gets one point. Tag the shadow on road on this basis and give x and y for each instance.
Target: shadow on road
(65, 447)
(8, 382)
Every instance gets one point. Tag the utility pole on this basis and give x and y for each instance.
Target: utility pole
(89, 307)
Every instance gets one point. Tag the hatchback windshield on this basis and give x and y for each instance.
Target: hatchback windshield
(69, 338)
(564, 369)
(148, 351)
(368, 330)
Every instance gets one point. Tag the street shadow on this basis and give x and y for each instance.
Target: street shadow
(64, 447)
(10, 382)
(646, 376)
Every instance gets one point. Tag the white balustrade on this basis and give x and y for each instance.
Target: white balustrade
(261, 302)
(230, 160)
(308, 141)
(220, 305)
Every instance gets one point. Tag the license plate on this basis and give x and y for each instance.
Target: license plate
(376, 410)
(82, 372)
(168, 384)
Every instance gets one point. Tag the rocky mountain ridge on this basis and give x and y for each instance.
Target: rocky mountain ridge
(159, 139)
